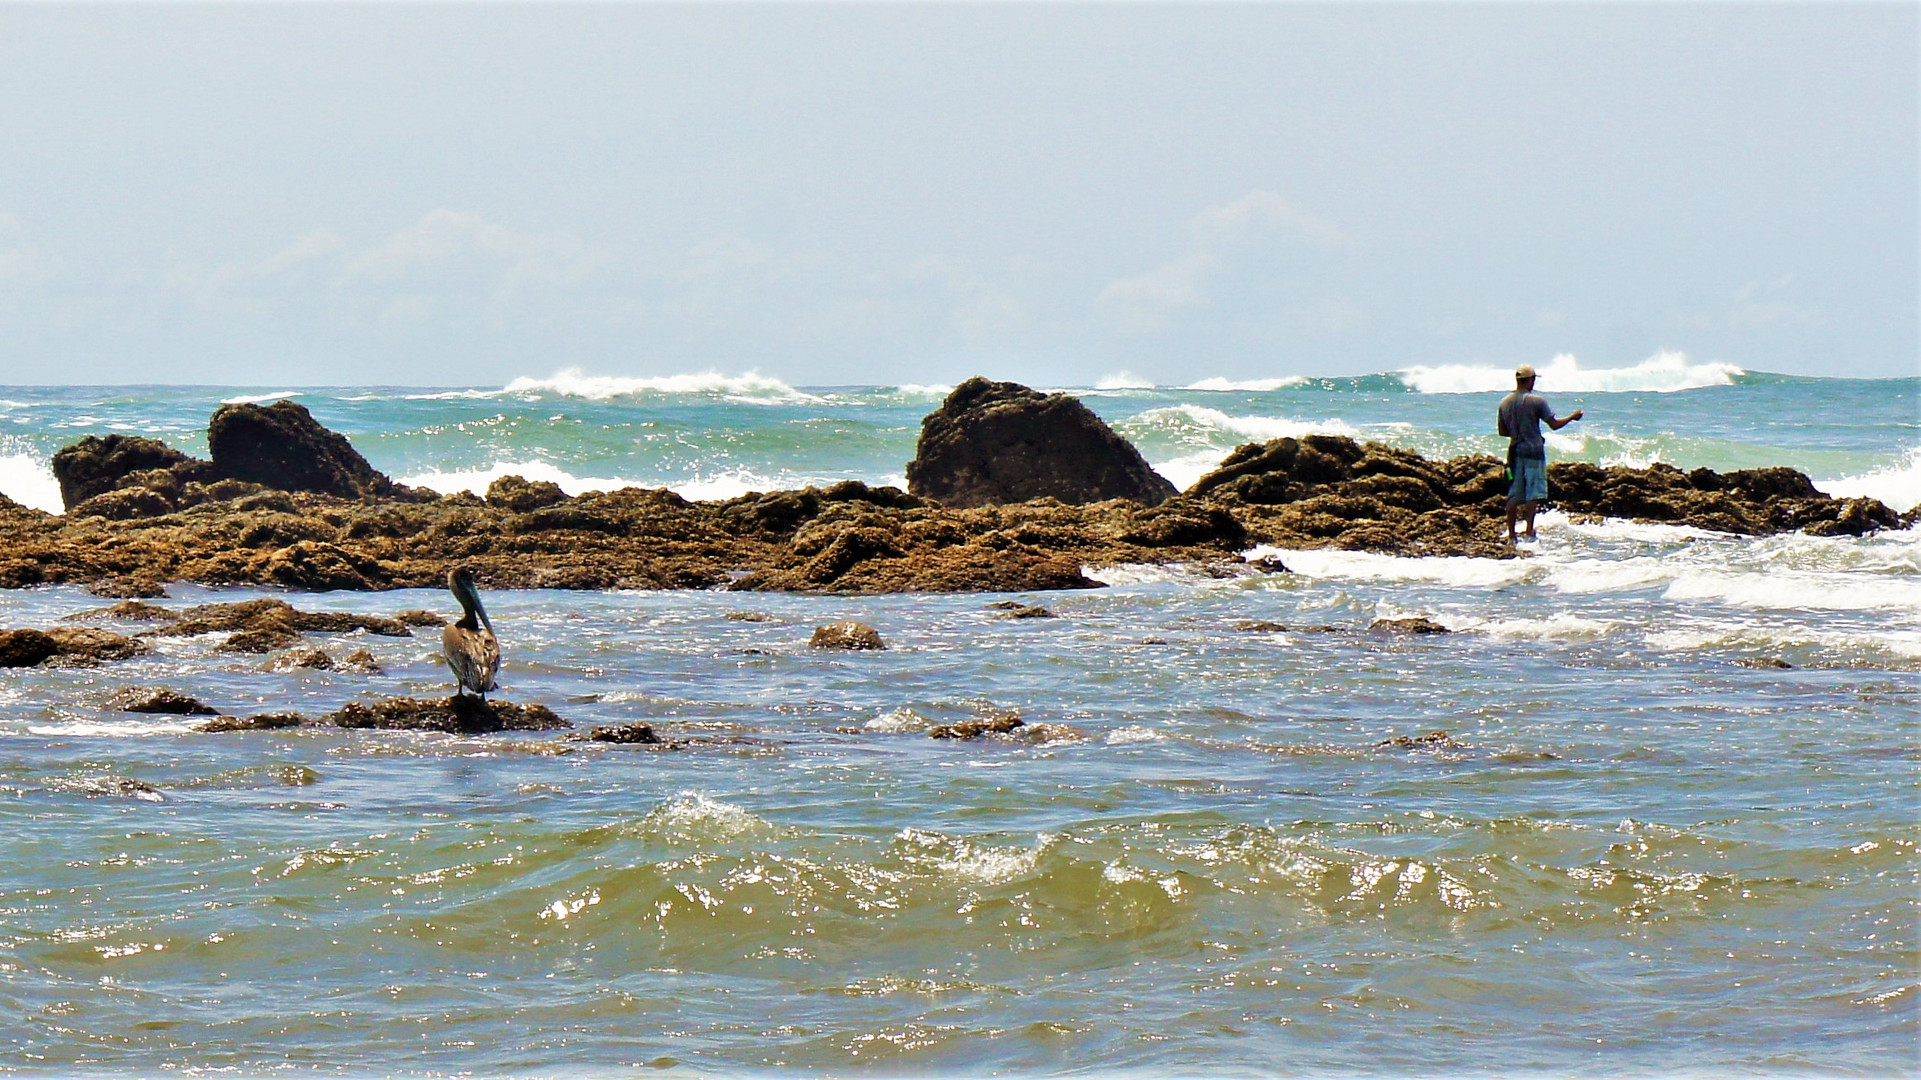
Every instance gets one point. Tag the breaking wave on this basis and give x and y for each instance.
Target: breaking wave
(1899, 486)
(1661, 373)
(26, 478)
(751, 388)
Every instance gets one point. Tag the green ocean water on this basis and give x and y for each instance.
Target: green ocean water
(1645, 846)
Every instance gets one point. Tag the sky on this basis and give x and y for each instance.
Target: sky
(457, 194)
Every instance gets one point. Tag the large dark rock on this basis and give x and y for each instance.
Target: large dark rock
(1000, 442)
(282, 446)
(95, 465)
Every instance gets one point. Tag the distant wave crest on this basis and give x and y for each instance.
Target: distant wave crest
(1662, 373)
(707, 488)
(751, 388)
(1247, 386)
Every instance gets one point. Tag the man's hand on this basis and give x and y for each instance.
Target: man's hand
(1575, 415)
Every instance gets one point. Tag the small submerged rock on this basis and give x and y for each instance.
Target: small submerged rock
(419, 617)
(125, 787)
(1433, 740)
(1026, 611)
(749, 616)
(1260, 626)
(307, 659)
(850, 635)
(1771, 663)
(461, 714)
(260, 722)
(973, 729)
(623, 733)
(156, 699)
(1418, 624)
(360, 662)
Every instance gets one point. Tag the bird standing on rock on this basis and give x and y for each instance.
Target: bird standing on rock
(473, 652)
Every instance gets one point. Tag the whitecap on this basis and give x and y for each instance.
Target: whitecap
(27, 479)
(1251, 386)
(692, 815)
(1899, 485)
(1453, 570)
(1133, 733)
(749, 388)
(1198, 422)
(255, 399)
(896, 722)
(1123, 380)
(1559, 626)
(1664, 372)
(1787, 590)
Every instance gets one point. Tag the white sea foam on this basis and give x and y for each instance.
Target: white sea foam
(1184, 470)
(1790, 590)
(1450, 570)
(1133, 733)
(1199, 420)
(693, 816)
(255, 399)
(1899, 486)
(1250, 386)
(749, 388)
(117, 729)
(26, 479)
(896, 722)
(1123, 380)
(1560, 626)
(1663, 372)
(714, 487)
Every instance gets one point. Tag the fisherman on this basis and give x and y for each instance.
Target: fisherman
(1520, 420)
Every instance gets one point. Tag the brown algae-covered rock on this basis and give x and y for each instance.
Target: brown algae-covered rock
(259, 722)
(1418, 624)
(1001, 442)
(25, 648)
(850, 635)
(999, 724)
(282, 446)
(460, 714)
(148, 699)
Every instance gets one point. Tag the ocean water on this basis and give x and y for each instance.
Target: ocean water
(1645, 846)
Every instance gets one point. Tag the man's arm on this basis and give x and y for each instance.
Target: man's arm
(1563, 421)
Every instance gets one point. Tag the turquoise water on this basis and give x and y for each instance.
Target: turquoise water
(1635, 853)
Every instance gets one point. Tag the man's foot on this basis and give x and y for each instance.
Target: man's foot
(1530, 536)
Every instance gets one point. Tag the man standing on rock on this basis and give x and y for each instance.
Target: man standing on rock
(1520, 420)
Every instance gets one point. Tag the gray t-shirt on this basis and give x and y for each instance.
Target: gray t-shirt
(1521, 416)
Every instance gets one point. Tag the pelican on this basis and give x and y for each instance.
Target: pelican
(473, 652)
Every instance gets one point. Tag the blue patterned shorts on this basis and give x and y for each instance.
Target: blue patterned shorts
(1530, 480)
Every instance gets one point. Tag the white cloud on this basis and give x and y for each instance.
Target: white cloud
(1153, 300)
(19, 262)
(455, 241)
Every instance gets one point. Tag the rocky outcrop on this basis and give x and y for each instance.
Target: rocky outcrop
(97, 464)
(1315, 492)
(521, 495)
(281, 446)
(460, 714)
(999, 442)
(1330, 491)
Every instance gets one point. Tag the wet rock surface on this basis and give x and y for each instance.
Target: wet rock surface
(260, 722)
(634, 733)
(1417, 624)
(849, 636)
(150, 699)
(341, 525)
(460, 714)
(1001, 724)
(1001, 442)
(66, 645)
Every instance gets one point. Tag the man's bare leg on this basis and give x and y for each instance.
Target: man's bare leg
(1531, 507)
(1513, 513)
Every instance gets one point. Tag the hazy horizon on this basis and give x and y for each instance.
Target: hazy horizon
(443, 196)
